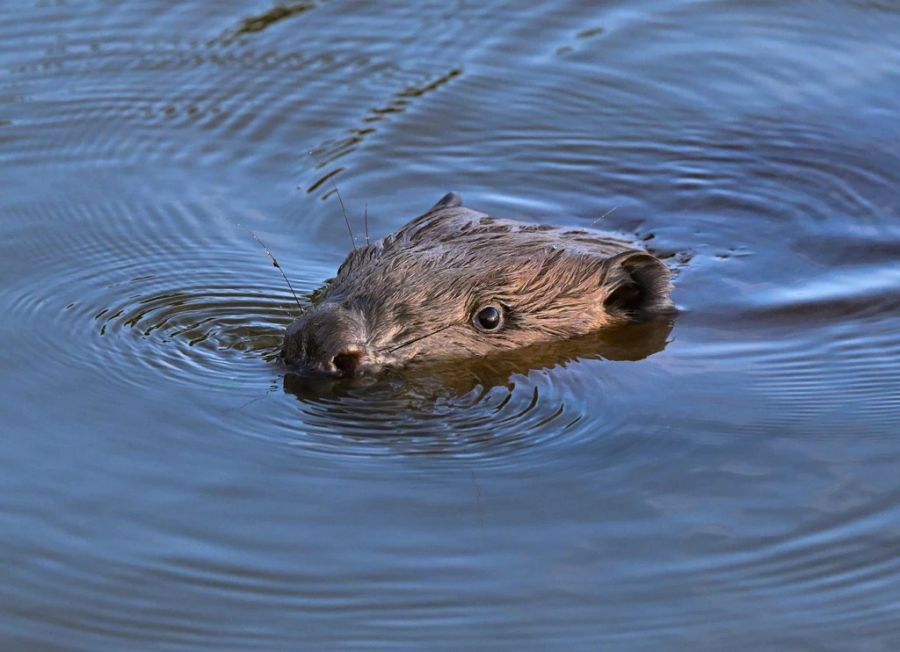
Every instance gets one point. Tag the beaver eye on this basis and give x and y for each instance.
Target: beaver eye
(488, 318)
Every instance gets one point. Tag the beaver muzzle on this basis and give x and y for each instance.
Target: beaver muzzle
(329, 340)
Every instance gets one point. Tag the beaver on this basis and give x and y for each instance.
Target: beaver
(458, 283)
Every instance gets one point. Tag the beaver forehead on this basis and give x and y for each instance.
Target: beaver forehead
(452, 259)
(472, 230)
(450, 280)
(450, 238)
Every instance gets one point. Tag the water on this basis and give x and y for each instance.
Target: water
(731, 483)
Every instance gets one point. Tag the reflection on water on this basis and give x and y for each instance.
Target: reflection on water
(480, 409)
(633, 342)
(729, 480)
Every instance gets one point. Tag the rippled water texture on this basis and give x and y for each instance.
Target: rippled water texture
(728, 481)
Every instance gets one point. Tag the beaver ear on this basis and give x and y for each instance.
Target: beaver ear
(450, 200)
(636, 284)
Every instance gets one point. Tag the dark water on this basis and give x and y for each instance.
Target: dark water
(161, 486)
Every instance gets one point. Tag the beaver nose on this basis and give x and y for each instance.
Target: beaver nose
(348, 362)
(329, 339)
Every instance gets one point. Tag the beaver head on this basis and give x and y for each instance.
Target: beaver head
(456, 283)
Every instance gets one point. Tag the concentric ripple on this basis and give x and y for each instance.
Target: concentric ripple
(201, 307)
(426, 414)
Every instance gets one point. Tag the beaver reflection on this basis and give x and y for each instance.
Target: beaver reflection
(430, 379)
(456, 284)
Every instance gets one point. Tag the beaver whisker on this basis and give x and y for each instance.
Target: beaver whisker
(278, 267)
(421, 337)
(344, 211)
(340, 199)
(606, 214)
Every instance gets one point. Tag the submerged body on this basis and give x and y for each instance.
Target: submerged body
(457, 283)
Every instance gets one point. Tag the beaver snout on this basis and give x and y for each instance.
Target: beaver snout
(328, 340)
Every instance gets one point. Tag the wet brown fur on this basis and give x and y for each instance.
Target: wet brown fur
(413, 294)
